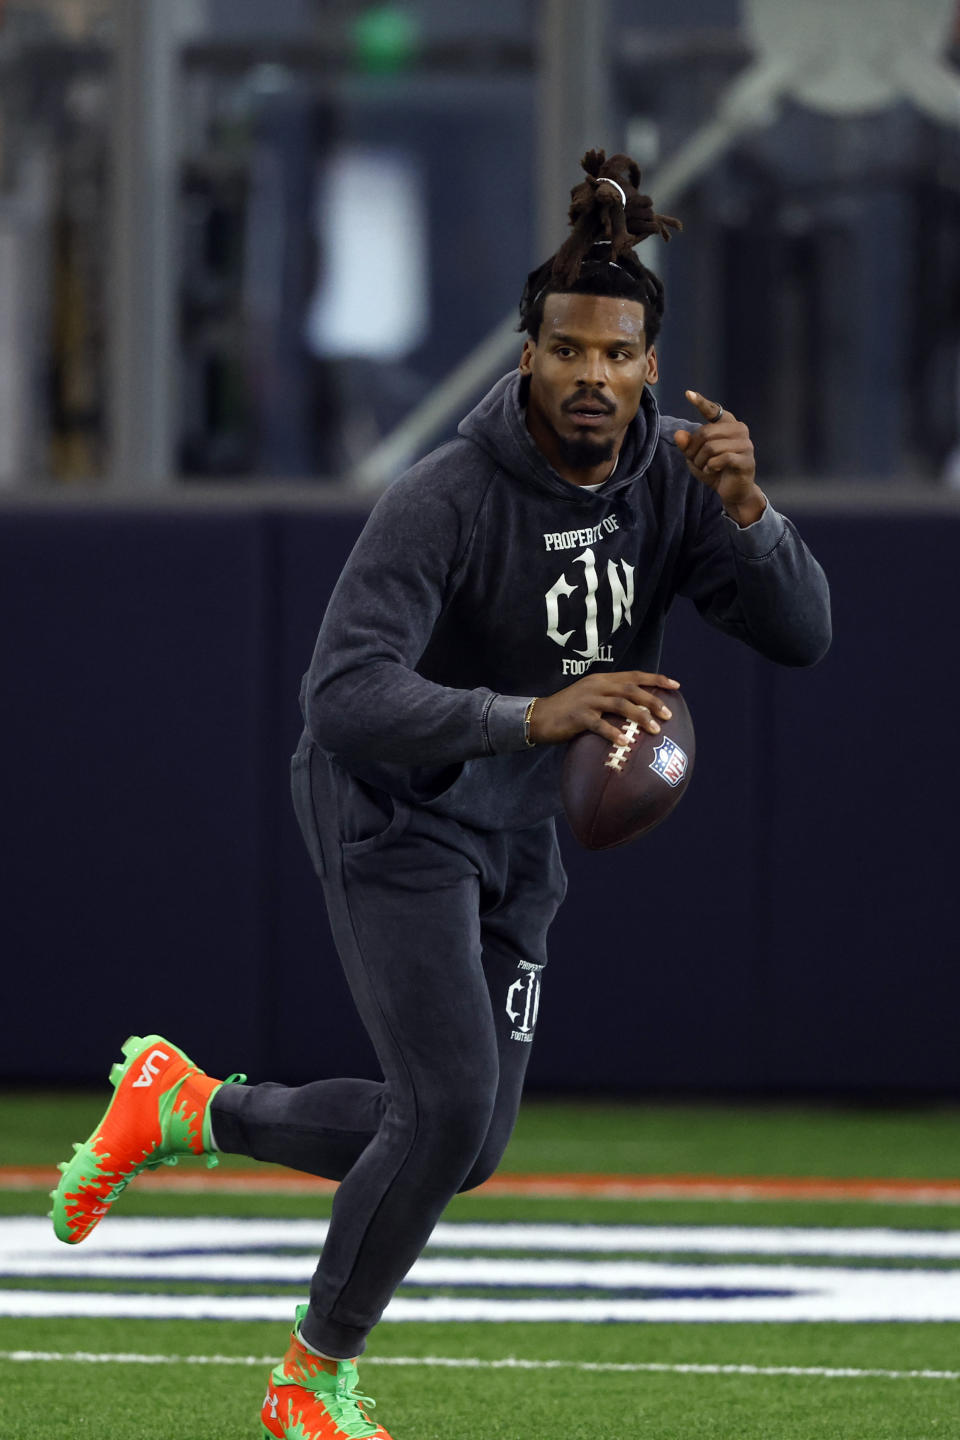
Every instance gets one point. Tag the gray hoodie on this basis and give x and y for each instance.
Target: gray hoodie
(483, 578)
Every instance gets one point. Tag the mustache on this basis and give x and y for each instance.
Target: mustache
(585, 397)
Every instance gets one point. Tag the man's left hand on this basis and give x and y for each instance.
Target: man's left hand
(720, 454)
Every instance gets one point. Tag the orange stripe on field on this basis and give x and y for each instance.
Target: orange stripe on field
(565, 1187)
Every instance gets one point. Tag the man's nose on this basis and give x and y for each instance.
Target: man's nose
(593, 372)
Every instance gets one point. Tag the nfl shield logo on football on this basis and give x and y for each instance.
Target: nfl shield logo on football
(669, 761)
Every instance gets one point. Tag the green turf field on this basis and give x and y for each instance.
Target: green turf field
(505, 1379)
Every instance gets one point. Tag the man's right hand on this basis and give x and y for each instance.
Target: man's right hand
(581, 706)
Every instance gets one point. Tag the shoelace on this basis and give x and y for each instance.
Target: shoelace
(344, 1407)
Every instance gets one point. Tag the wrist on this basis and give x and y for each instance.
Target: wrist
(747, 511)
(527, 724)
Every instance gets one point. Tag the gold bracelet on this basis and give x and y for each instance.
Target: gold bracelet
(531, 744)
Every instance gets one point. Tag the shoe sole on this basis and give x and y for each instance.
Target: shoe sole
(272, 1434)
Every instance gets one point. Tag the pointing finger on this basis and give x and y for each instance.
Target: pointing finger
(711, 410)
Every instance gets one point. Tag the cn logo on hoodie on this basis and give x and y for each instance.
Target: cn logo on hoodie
(594, 607)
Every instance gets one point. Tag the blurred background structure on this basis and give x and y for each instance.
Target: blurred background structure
(255, 258)
(241, 240)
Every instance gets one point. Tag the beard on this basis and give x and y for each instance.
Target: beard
(583, 452)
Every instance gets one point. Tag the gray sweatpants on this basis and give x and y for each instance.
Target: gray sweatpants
(441, 930)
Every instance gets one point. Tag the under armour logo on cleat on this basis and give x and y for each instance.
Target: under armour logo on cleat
(149, 1068)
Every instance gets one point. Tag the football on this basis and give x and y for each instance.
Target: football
(614, 793)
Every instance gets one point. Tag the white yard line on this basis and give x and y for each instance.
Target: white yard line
(433, 1271)
(718, 1294)
(819, 1372)
(27, 1238)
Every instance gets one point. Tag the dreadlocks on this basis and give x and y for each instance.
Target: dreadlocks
(608, 216)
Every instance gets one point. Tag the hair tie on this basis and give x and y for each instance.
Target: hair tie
(611, 264)
(619, 188)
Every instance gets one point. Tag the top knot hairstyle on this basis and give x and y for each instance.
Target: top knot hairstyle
(608, 216)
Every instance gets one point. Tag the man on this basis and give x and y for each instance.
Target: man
(546, 542)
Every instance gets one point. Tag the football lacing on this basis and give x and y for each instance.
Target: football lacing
(618, 755)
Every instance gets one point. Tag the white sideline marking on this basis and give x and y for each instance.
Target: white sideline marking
(460, 1270)
(23, 1237)
(819, 1372)
(812, 1294)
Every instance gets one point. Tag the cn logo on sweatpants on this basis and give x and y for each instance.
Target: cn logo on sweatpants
(523, 1002)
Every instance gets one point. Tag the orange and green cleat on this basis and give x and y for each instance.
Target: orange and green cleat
(309, 1398)
(159, 1111)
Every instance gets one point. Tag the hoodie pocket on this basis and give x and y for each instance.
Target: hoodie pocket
(369, 818)
(335, 808)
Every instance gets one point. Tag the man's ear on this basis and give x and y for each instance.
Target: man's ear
(653, 367)
(526, 356)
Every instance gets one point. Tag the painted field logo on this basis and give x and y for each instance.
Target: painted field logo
(669, 761)
(583, 1273)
